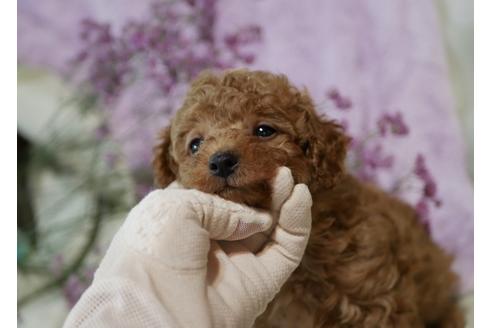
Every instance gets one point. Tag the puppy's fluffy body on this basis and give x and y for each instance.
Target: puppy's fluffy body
(368, 263)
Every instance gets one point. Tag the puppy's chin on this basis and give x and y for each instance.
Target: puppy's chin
(255, 195)
(253, 189)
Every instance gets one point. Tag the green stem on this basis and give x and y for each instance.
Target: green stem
(79, 260)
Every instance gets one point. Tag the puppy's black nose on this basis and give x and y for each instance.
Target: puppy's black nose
(222, 164)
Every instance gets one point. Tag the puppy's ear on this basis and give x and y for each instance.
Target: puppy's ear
(323, 143)
(164, 164)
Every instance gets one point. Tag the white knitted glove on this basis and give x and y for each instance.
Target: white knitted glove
(165, 268)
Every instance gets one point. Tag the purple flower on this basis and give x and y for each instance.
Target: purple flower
(245, 35)
(158, 55)
(369, 159)
(422, 209)
(394, 123)
(171, 46)
(375, 158)
(76, 284)
(429, 189)
(420, 168)
(342, 103)
(73, 289)
(243, 38)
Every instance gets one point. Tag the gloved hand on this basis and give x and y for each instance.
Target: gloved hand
(166, 268)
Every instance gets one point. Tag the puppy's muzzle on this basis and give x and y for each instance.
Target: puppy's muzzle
(223, 164)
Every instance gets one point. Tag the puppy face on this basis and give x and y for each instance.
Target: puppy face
(233, 132)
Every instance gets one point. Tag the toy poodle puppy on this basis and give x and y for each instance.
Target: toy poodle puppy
(369, 262)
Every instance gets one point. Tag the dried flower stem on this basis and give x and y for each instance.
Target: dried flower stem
(79, 259)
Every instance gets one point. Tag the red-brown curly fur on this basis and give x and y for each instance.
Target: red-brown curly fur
(369, 263)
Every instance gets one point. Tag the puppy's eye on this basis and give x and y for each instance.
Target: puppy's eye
(264, 131)
(195, 145)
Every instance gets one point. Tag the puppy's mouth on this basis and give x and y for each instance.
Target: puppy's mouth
(229, 182)
(232, 183)
(256, 194)
(226, 191)
(226, 186)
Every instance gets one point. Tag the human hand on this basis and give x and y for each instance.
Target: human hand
(166, 254)
(241, 281)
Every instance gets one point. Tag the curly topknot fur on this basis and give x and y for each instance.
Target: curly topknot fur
(369, 263)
